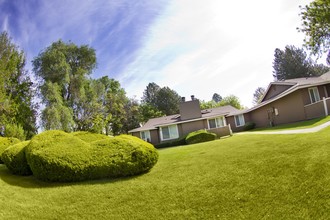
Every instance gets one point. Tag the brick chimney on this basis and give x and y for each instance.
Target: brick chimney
(190, 109)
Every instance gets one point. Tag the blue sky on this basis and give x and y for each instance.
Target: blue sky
(192, 46)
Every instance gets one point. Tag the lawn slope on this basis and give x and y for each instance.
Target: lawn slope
(241, 177)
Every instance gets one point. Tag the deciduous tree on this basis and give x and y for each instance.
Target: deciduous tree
(316, 25)
(17, 109)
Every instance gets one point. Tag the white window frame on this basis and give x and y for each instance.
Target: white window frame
(217, 124)
(173, 132)
(239, 120)
(314, 92)
(146, 137)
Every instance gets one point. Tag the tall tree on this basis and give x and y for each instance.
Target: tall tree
(17, 109)
(66, 66)
(293, 62)
(258, 94)
(316, 25)
(150, 93)
(167, 101)
(163, 99)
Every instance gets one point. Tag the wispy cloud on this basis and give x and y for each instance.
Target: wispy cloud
(114, 28)
(215, 46)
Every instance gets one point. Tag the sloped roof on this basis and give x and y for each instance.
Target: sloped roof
(154, 123)
(298, 83)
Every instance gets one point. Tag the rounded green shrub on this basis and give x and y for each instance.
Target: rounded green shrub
(15, 160)
(59, 156)
(89, 137)
(5, 142)
(200, 136)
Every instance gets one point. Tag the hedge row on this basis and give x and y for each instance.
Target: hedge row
(59, 156)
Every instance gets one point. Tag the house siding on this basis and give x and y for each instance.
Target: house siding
(290, 109)
(315, 110)
(275, 90)
(192, 126)
(154, 136)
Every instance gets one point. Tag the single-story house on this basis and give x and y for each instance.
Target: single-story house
(289, 101)
(191, 118)
(284, 102)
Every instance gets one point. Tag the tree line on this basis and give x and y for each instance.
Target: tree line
(67, 97)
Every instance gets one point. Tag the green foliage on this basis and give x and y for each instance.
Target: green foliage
(16, 89)
(15, 131)
(200, 136)
(147, 111)
(15, 160)
(59, 156)
(163, 99)
(173, 143)
(316, 25)
(89, 137)
(63, 69)
(249, 126)
(228, 100)
(293, 63)
(5, 142)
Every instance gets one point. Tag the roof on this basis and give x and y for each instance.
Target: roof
(298, 83)
(154, 123)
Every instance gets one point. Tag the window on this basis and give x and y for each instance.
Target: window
(216, 122)
(314, 94)
(169, 132)
(239, 120)
(145, 135)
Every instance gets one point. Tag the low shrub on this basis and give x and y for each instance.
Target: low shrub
(59, 156)
(178, 142)
(5, 142)
(249, 126)
(89, 137)
(15, 160)
(200, 136)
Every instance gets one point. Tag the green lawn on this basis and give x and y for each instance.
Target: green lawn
(241, 177)
(298, 125)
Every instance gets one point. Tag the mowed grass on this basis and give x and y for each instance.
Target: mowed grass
(241, 177)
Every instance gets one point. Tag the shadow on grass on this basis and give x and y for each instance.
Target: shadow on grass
(32, 182)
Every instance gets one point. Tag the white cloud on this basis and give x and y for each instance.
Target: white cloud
(203, 47)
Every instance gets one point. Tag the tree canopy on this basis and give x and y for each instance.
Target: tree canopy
(18, 112)
(293, 62)
(316, 26)
(162, 99)
(228, 100)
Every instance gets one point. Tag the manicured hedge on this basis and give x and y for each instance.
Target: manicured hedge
(59, 156)
(14, 158)
(89, 137)
(200, 136)
(5, 142)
